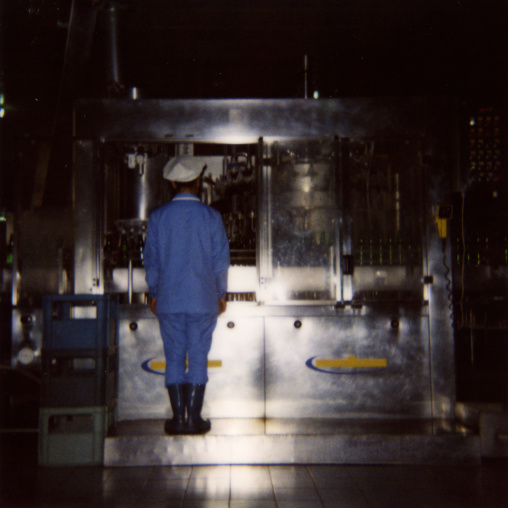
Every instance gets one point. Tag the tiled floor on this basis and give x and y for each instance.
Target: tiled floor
(25, 484)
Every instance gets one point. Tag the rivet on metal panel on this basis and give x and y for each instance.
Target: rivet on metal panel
(298, 324)
(26, 319)
(394, 323)
(133, 326)
(231, 324)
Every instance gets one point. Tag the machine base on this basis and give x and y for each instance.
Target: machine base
(285, 441)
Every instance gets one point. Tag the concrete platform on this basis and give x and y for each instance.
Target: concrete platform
(302, 441)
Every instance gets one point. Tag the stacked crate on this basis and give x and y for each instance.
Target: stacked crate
(79, 378)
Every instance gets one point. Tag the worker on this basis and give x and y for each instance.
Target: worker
(186, 262)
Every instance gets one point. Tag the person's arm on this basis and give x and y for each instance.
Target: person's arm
(221, 261)
(151, 261)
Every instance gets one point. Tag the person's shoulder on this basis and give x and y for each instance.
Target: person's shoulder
(160, 209)
(212, 211)
(159, 212)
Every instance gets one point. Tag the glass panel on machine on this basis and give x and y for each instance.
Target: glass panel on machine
(134, 186)
(299, 183)
(386, 189)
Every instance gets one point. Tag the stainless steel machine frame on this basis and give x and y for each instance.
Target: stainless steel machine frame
(350, 336)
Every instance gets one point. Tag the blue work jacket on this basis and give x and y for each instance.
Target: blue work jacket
(186, 257)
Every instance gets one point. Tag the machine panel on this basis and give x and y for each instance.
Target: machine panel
(235, 386)
(339, 291)
(141, 391)
(235, 370)
(347, 367)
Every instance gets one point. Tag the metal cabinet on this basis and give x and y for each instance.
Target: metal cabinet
(348, 367)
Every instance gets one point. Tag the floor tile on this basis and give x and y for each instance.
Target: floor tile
(314, 486)
(124, 484)
(173, 497)
(291, 477)
(254, 503)
(204, 504)
(210, 472)
(125, 495)
(333, 477)
(252, 493)
(297, 495)
(170, 472)
(215, 489)
(298, 504)
(348, 503)
(257, 472)
(171, 484)
(251, 485)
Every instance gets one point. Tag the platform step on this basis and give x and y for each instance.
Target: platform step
(308, 441)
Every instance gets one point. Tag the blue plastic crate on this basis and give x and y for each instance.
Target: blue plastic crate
(78, 378)
(80, 322)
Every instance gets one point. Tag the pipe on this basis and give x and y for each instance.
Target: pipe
(130, 282)
(111, 56)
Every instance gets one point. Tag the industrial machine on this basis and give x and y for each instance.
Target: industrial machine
(338, 293)
(367, 279)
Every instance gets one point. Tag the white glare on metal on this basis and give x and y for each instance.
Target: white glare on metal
(316, 94)
(278, 292)
(242, 279)
(131, 160)
(472, 122)
(26, 356)
(140, 159)
(235, 138)
(2, 112)
(2, 99)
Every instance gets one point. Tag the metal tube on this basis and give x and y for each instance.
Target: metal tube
(397, 203)
(129, 282)
(112, 56)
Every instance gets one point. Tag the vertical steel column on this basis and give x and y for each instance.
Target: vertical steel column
(344, 251)
(438, 186)
(87, 221)
(263, 233)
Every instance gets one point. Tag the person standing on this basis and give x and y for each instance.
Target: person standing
(186, 260)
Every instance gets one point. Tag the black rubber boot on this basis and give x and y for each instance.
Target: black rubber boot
(177, 424)
(194, 395)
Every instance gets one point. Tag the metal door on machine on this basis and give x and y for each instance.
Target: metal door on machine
(299, 219)
(235, 386)
(347, 367)
(141, 392)
(382, 197)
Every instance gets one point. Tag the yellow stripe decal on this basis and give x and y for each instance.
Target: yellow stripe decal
(157, 365)
(351, 362)
(160, 365)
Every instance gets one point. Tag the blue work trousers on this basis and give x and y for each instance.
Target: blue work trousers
(187, 336)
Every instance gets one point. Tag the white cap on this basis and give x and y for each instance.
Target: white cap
(183, 169)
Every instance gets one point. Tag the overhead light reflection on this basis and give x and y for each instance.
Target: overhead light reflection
(278, 291)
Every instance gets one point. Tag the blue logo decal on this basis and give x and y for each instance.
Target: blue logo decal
(154, 366)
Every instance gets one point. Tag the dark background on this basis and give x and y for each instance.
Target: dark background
(235, 49)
